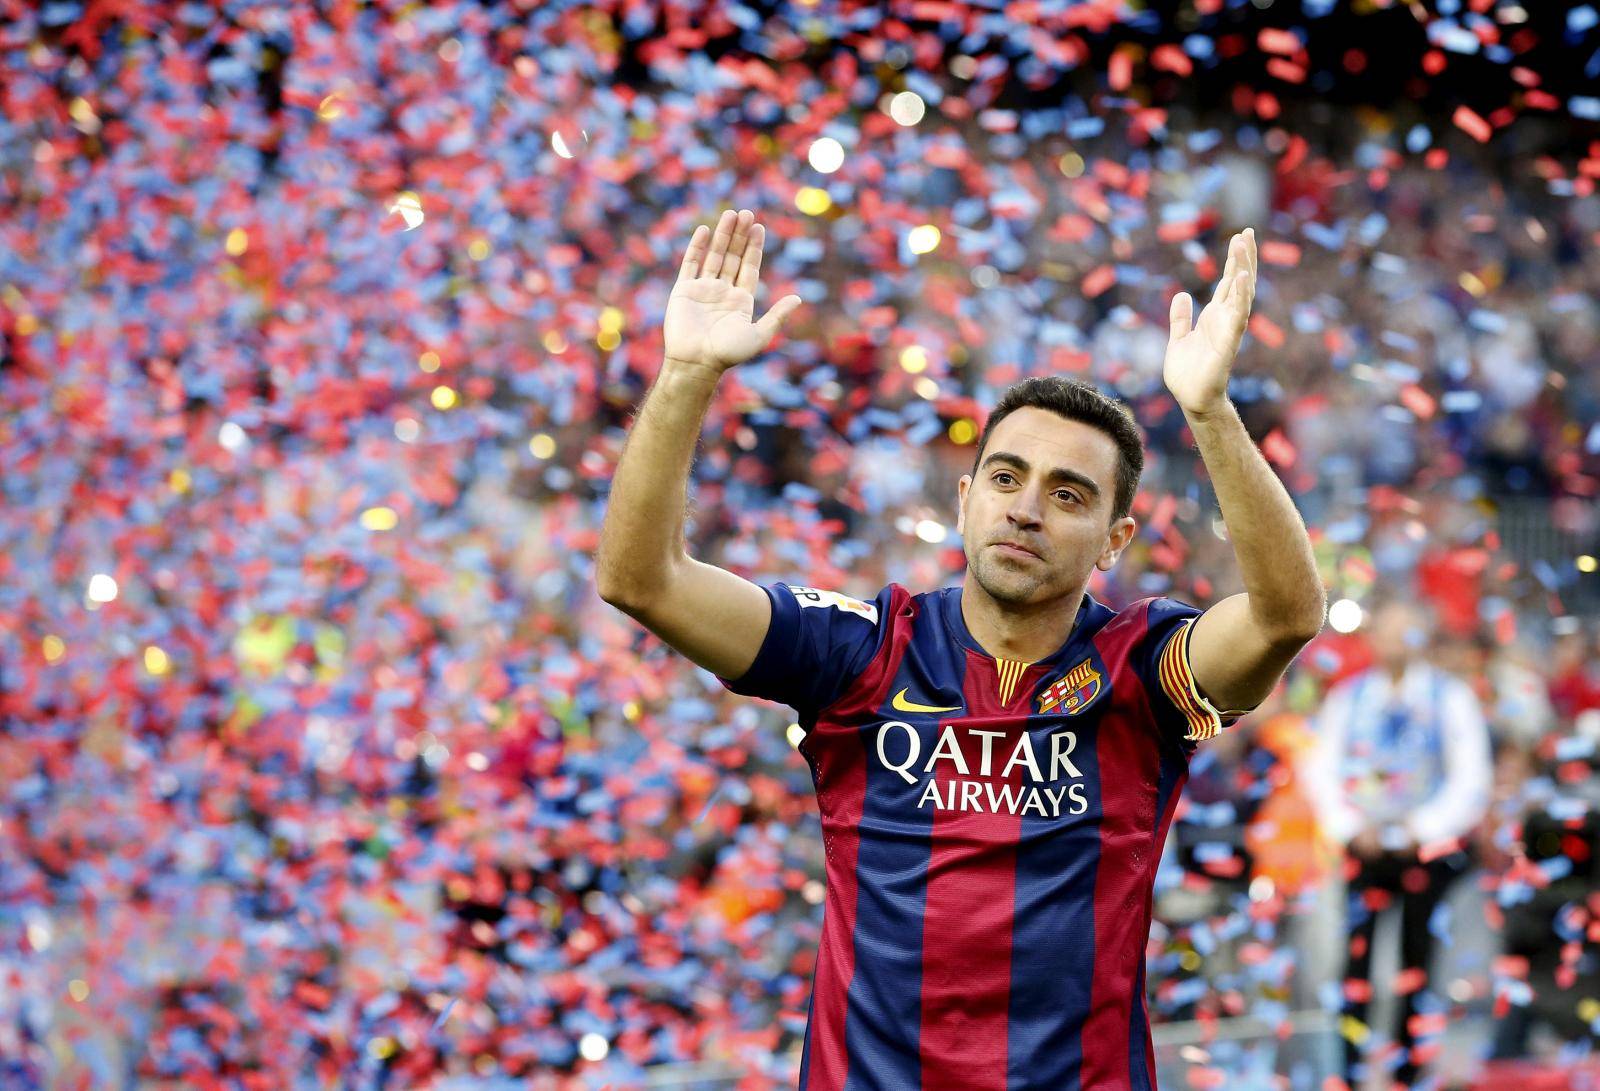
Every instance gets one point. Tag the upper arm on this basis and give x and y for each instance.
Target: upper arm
(801, 646)
(711, 616)
(1210, 667)
(1234, 659)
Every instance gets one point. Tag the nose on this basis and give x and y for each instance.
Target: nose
(1024, 509)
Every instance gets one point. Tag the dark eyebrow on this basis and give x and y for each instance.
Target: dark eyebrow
(1058, 474)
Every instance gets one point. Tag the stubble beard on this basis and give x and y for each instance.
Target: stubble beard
(1014, 588)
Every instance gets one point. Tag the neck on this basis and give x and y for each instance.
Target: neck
(1022, 634)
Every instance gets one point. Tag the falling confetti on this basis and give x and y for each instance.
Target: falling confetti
(319, 336)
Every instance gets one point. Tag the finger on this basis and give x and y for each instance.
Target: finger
(1238, 313)
(750, 264)
(719, 244)
(1250, 252)
(741, 237)
(1237, 263)
(773, 320)
(1230, 266)
(695, 254)
(1181, 316)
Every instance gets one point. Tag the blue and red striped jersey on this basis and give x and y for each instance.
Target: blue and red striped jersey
(992, 830)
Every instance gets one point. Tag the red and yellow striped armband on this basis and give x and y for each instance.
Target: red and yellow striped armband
(1177, 682)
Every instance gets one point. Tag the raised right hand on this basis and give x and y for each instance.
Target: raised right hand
(710, 314)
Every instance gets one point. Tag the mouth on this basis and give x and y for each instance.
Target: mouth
(1013, 550)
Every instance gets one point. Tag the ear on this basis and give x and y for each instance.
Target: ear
(1117, 539)
(961, 501)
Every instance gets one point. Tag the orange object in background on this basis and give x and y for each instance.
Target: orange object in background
(738, 902)
(1283, 839)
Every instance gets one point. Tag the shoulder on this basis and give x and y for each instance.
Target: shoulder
(1154, 631)
(1139, 620)
(871, 611)
(1145, 627)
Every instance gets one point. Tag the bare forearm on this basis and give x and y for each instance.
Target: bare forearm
(1269, 539)
(641, 536)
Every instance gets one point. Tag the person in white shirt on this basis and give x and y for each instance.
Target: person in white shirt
(1400, 776)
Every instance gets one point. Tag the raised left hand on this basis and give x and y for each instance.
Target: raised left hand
(1199, 359)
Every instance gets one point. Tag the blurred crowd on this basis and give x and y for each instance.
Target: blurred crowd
(323, 765)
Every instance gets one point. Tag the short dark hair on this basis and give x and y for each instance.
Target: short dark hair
(1077, 400)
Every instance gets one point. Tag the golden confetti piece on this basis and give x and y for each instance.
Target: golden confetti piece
(542, 446)
(83, 116)
(379, 519)
(78, 988)
(812, 201)
(443, 397)
(1354, 1029)
(238, 242)
(156, 661)
(53, 648)
(923, 239)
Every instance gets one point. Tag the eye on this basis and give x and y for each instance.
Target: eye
(999, 475)
(1071, 496)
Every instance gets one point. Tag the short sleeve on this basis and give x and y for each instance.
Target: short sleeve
(817, 644)
(1181, 709)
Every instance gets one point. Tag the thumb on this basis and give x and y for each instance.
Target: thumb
(1181, 316)
(773, 320)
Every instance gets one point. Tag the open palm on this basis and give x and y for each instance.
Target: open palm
(1199, 359)
(710, 317)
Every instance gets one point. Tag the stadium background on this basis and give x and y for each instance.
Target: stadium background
(324, 766)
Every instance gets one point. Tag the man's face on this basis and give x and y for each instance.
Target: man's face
(1398, 634)
(1064, 520)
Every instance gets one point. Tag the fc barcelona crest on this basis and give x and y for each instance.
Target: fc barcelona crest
(1072, 692)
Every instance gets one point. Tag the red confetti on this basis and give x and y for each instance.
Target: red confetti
(1471, 124)
(1098, 280)
(1274, 40)
(1268, 332)
(1279, 252)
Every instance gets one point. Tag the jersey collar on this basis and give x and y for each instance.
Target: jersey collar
(950, 607)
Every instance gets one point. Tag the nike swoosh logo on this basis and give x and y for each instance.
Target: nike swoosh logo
(903, 705)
